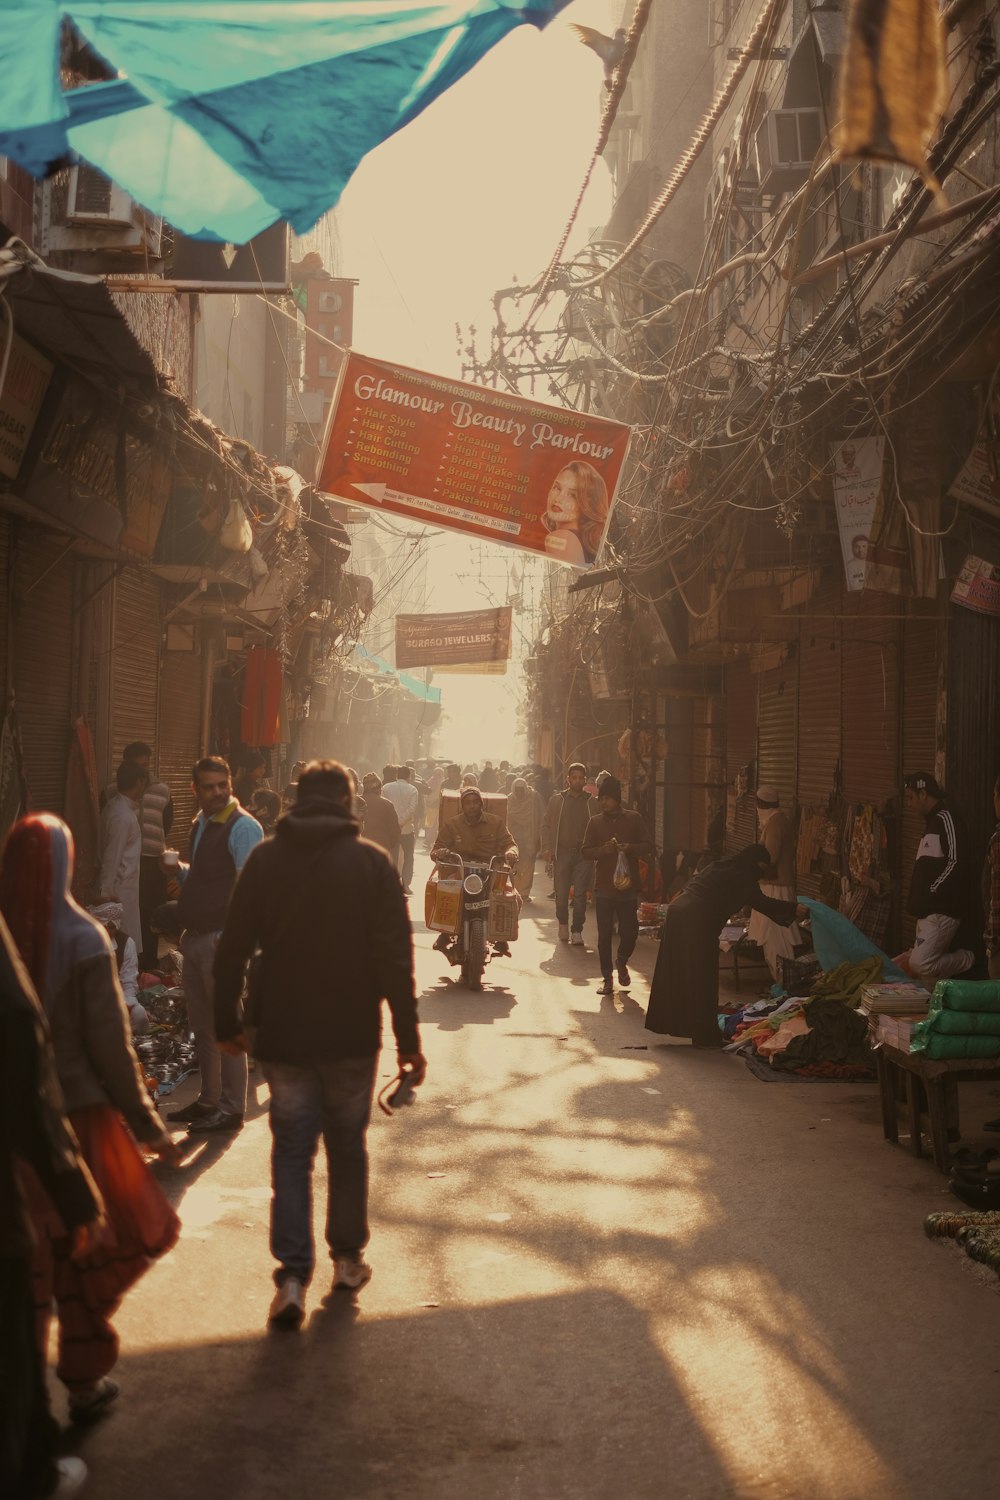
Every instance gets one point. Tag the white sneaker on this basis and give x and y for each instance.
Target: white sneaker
(564, 932)
(288, 1306)
(72, 1478)
(576, 939)
(351, 1271)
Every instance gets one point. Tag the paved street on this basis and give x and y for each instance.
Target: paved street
(601, 1269)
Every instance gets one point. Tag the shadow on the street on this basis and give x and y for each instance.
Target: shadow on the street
(450, 1005)
(370, 1410)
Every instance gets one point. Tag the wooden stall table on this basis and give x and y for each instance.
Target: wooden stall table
(929, 1086)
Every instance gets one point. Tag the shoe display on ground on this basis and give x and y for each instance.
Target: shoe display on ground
(72, 1478)
(216, 1121)
(351, 1272)
(564, 932)
(607, 986)
(576, 939)
(195, 1111)
(624, 977)
(288, 1305)
(89, 1403)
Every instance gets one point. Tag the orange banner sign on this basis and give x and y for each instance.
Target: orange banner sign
(452, 640)
(449, 453)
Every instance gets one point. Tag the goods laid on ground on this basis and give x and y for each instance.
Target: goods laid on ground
(821, 1034)
(166, 1051)
(977, 1232)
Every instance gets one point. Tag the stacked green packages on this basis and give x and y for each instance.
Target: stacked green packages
(967, 994)
(963, 1021)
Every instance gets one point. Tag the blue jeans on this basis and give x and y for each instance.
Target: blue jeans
(571, 870)
(333, 1100)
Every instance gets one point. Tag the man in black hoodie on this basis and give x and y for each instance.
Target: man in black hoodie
(940, 887)
(327, 911)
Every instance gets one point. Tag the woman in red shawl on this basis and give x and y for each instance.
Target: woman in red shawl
(72, 964)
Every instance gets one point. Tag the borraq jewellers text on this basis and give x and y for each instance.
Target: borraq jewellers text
(464, 414)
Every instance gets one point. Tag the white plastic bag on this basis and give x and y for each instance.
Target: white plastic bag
(623, 872)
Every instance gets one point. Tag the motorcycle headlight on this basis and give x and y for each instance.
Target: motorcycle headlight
(472, 885)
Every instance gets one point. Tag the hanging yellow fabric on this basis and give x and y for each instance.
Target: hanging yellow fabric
(893, 86)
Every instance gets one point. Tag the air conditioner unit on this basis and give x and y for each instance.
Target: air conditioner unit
(330, 302)
(95, 199)
(787, 143)
(83, 210)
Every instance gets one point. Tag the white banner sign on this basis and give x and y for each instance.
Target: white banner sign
(857, 473)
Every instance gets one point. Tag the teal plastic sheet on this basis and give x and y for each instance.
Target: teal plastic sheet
(229, 114)
(837, 941)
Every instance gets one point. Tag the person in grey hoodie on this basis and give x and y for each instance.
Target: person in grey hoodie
(563, 832)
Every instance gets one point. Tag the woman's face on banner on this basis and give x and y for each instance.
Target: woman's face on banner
(563, 505)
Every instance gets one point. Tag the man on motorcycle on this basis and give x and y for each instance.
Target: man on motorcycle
(475, 835)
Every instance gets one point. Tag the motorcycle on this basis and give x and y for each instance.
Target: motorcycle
(471, 947)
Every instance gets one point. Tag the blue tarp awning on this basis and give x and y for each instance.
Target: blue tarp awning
(411, 684)
(230, 114)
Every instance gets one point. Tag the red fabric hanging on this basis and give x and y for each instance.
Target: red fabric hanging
(262, 687)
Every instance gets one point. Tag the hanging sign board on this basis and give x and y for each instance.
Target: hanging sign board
(471, 638)
(21, 396)
(534, 476)
(977, 587)
(857, 474)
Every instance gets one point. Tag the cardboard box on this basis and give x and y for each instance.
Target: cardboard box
(505, 908)
(443, 905)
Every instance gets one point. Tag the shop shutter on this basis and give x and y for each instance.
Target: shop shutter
(820, 661)
(741, 751)
(777, 725)
(180, 726)
(43, 663)
(136, 661)
(870, 689)
(921, 648)
(5, 528)
(973, 757)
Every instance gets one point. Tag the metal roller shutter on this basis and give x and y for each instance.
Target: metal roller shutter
(777, 726)
(5, 527)
(973, 723)
(135, 662)
(180, 724)
(43, 663)
(820, 661)
(921, 647)
(871, 700)
(741, 750)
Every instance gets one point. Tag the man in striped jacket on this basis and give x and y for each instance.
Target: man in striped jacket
(940, 887)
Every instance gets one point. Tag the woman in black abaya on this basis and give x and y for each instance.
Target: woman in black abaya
(684, 995)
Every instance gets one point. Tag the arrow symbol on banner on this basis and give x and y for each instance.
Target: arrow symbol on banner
(381, 493)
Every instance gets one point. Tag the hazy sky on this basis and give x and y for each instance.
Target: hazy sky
(472, 194)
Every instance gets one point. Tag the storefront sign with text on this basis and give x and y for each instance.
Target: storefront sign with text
(471, 637)
(534, 476)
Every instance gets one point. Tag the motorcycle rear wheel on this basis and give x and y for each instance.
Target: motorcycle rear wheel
(475, 963)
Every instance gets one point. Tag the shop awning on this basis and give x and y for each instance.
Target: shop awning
(412, 685)
(74, 318)
(228, 116)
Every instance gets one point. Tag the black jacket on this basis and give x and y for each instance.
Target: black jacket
(940, 881)
(326, 909)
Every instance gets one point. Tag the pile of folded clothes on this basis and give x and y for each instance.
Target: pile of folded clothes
(819, 1035)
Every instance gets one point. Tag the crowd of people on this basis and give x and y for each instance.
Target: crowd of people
(293, 923)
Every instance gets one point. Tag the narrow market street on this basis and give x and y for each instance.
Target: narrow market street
(602, 1268)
